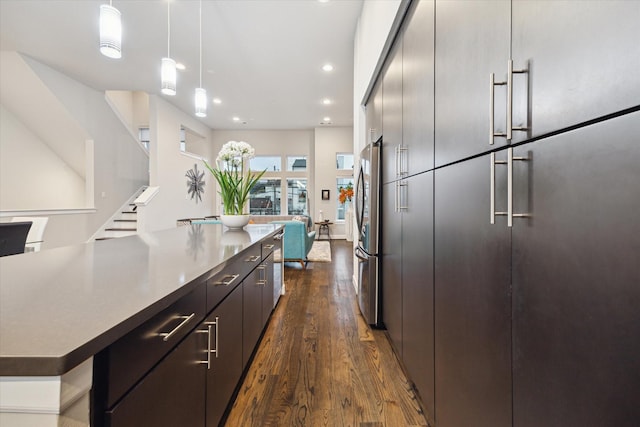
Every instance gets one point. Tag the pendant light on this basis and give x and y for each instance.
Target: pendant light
(110, 31)
(201, 94)
(168, 70)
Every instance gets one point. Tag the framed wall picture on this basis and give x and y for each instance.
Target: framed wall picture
(325, 195)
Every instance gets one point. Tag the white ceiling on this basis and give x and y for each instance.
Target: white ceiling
(262, 58)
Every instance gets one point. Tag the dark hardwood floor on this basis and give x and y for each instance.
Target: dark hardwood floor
(319, 364)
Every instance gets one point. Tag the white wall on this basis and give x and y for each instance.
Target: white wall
(328, 142)
(25, 162)
(168, 167)
(120, 165)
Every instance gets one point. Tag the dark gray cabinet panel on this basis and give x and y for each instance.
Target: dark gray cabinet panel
(472, 300)
(417, 89)
(391, 269)
(417, 287)
(374, 114)
(392, 113)
(172, 394)
(225, 367)
(252, 313)
(472, 42)
(583, 56)
(576, 278)
(267, 291)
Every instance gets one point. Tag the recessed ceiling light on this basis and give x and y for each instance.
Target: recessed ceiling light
(326, 101)
(323, 1)
(327, 67)
(180, 66)
(236, 119)
(217, 101)
(327, 119)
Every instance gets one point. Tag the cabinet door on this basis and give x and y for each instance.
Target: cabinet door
(252, 313)
(472, 299)
(417, 89)
(472, 42)
(576, 278)
(172, 394)
(391, 268)
(374, 114)
(267, 291)
(392, 113)
(417, 286)
(225, 367)
(583, 56)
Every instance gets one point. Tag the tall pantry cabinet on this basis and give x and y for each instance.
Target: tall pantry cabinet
(407, 200)
(511, 236)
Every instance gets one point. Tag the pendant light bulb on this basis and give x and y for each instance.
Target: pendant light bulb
(201, 102)
(168, 76)
(110, 31)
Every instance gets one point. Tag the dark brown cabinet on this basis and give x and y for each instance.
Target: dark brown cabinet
(374, 114)
(583, 60)
(417, 89)
(472, 41)
(576, 323)
(252, 313)
(223, 329)
(472, 299)
(172, 394)
(417, 286)
(267, 267)
(392, 115)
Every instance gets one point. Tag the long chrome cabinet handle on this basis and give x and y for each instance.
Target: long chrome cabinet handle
(397, 149)
(403, 202)
(404, 160)
(166, 336)
(510, 73)
(510, 160)
(492, 109)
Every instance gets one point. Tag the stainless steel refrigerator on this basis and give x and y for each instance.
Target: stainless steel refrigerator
(367, 196)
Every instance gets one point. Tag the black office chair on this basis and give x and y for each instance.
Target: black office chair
(13, 236)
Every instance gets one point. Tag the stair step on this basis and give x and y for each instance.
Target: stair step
(125, 220)
(104, 238)
(130, 212)
(120, 229)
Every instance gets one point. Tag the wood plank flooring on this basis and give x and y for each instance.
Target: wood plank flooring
(319, 364)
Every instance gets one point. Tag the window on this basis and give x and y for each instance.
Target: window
(144, 137)
(264, 198)
(297, 163)
(192, 143)
(297, 196)
(270, 163)
(341, 208)
(344, 161)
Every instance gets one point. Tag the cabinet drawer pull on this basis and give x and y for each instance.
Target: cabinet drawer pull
(232, 279)
(269, 247)
(209, 350)
(253, 258)
(167, 335)
(278, 236)
(261, 282)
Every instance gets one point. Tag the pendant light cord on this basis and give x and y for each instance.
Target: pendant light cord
(200, 43)
(168, 30)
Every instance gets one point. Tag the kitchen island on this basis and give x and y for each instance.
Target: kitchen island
(104, 315)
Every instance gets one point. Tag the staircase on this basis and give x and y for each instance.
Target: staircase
(124, 223)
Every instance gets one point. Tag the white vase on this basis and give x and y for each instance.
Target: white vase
(235, 221)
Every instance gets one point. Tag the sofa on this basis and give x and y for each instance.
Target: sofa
(297, 241)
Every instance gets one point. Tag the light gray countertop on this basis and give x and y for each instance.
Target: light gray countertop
(59, 307)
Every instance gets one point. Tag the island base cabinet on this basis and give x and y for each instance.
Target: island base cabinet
(172, 394)
(224, 366)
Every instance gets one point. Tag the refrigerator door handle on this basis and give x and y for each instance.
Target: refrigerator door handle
(360, 254)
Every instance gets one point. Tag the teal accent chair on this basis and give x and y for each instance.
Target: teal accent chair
(297, 241)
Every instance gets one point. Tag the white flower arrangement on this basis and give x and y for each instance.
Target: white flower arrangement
(234, 184)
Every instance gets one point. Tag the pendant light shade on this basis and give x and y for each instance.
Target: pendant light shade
(168, 69)
(201, 102)
(168, 76)
(110, 32)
